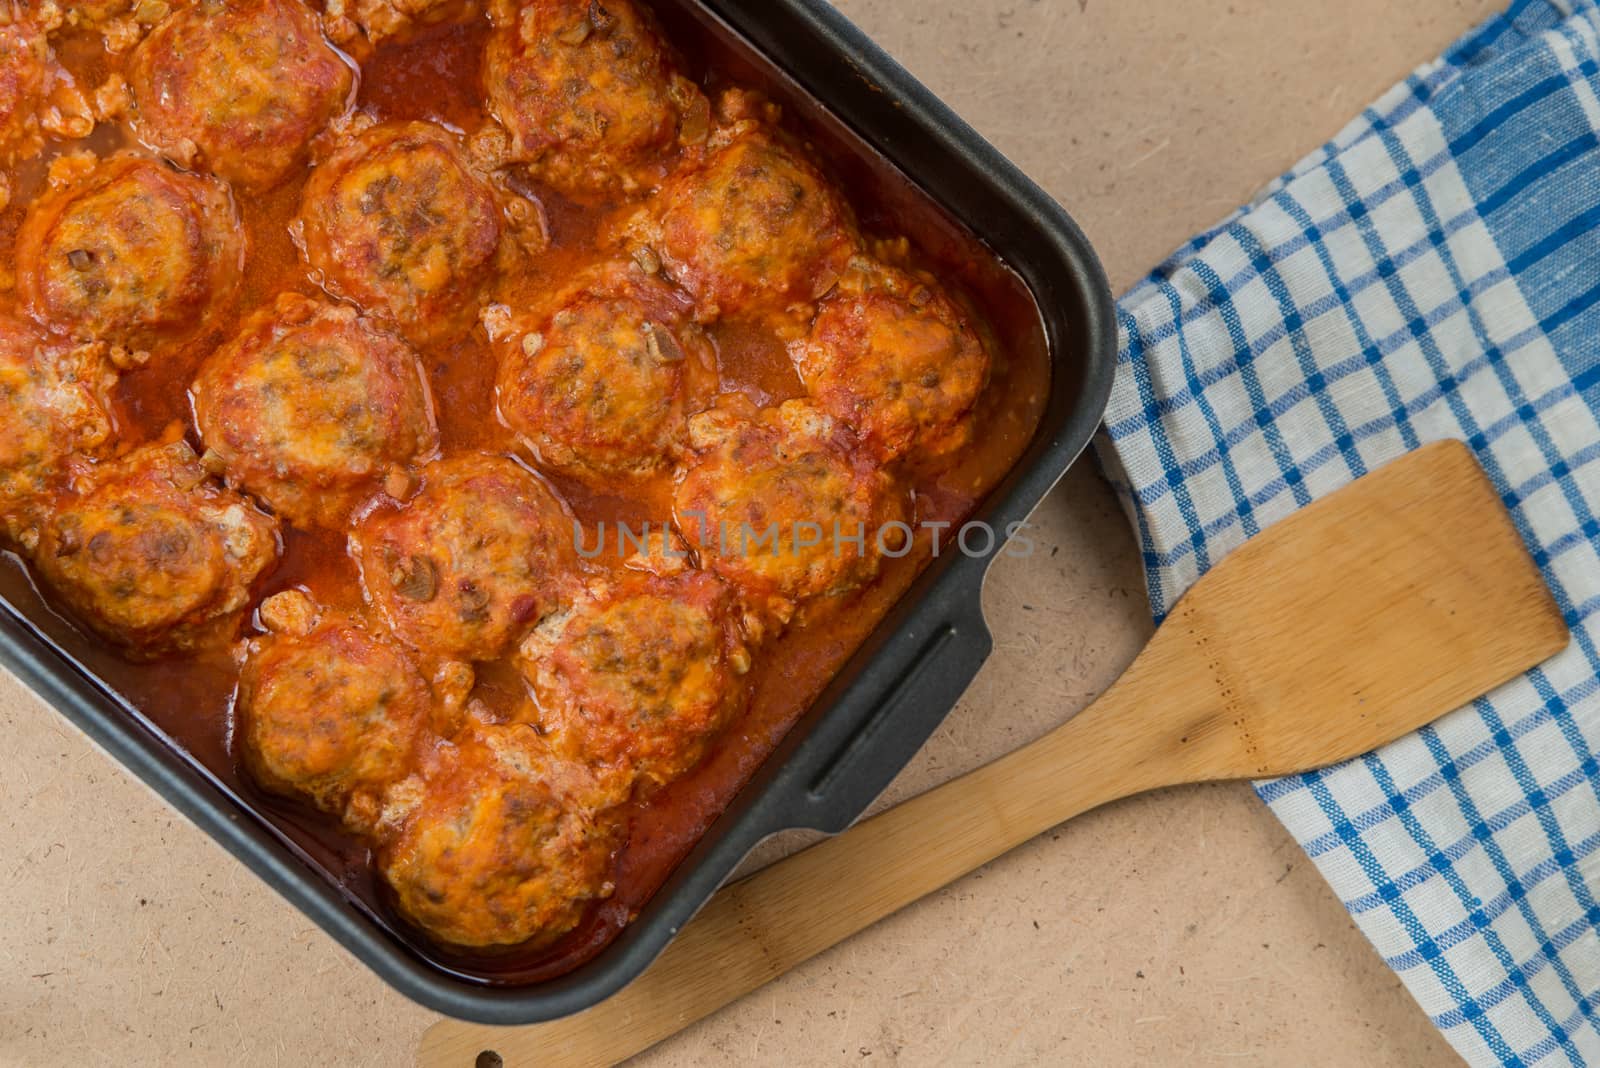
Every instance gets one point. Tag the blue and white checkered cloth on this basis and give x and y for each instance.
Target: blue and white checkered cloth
(1433, 272)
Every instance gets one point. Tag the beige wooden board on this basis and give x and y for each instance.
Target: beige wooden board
(1182, 925)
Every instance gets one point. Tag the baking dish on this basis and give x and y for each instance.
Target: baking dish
(930, 175)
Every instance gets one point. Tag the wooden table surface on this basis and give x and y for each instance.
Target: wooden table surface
(1181, 926)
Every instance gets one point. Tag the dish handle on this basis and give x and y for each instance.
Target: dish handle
(895, 704)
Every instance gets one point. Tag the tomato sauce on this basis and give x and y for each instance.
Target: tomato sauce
(435, 76)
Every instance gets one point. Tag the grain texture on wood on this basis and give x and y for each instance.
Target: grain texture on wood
(1351, 623)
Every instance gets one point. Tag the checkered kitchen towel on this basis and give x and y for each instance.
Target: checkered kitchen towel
(1434, 272)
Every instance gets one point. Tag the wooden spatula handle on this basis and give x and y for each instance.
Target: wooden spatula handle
(761, 927)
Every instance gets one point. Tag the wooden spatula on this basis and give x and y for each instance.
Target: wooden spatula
(1345, 626)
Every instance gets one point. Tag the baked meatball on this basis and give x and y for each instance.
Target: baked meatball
(330, 711)
(502, 849)
(776, 500)
(52, 408)
(151, 556)
(755, 227)
(640, 676)
(588, 95)
(483, 552)
(379, 20)
(601, 386)
(397, 221)
(311, 407)
(237, 87)
(891, 356)
(130, 252)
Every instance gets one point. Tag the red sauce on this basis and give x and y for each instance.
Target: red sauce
(188, 703)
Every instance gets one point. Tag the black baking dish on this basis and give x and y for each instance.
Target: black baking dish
(907, 676)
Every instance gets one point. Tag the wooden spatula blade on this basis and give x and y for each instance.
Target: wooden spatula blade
(1374, 610)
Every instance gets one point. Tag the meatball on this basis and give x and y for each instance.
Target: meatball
(502, 848)
(311, 407)
(397, 221)
(482, 553)
(129, 252)
(238, 87)
(755, 227)
(330, 711)
(780, 503)
(52, 408)
(37, 96)
(379, 20)
(601, 386)
(151, 556)
(588, 95)
(640, 676)
(891, 356)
